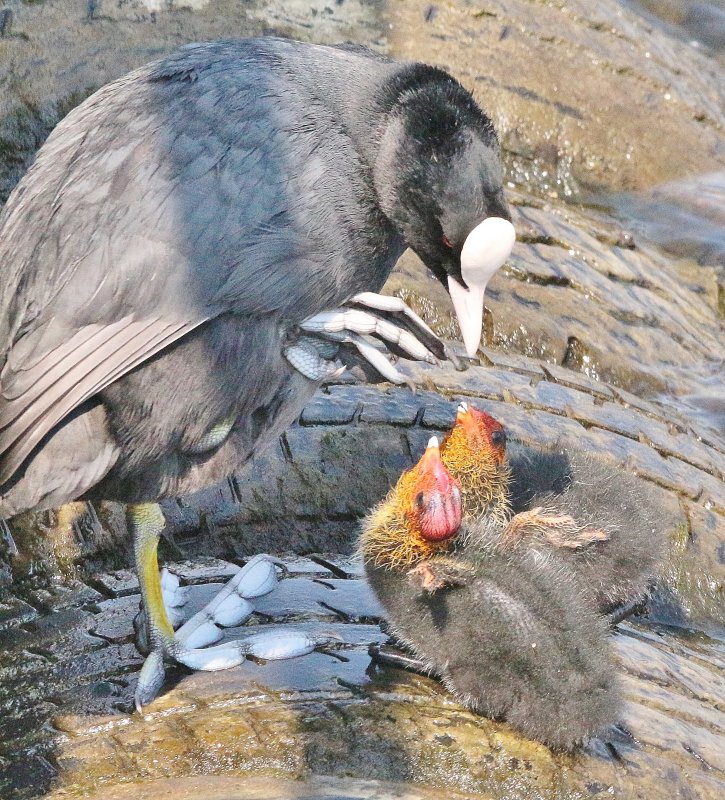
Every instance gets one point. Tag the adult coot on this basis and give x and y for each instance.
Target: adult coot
(179, 235)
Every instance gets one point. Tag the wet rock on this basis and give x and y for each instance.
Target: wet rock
(685, 217)
(702, 21)
(14, 611)
(589, 343)
(630, 318)
(337, 713)
(346, 720)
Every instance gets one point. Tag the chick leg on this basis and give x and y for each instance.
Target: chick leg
(393, 657)
(146, 522)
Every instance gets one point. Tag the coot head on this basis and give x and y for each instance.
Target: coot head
(448, 194)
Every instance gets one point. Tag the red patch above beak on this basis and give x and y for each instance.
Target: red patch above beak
(441, 517)
(437, 502)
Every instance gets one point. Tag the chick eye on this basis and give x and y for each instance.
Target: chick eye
(420, 501)
(499, 438)
(447, 242)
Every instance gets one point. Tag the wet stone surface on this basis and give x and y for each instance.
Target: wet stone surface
(647, 325)
(337, 713)
(593, 339)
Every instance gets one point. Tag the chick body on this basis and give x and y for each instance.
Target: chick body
(605, 524)
(616, 541)
(508, 630)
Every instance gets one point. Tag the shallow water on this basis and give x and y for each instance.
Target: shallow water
(698, 21)
(685, 218)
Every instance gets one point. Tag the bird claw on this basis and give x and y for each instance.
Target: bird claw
(391, 656)
(404, 316)
(559, 530)
(374, 326)
(357, 321)
(150, 679)
(267, 646)
(175, 595)
(189, 645)
(314, 358)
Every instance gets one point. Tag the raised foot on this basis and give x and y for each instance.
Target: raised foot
(559, 530)
(366, 329)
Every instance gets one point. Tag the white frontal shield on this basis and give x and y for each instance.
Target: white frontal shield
(485, 250)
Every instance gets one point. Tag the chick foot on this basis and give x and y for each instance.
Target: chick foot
(560, 530)
(440, 573)
(393, 657)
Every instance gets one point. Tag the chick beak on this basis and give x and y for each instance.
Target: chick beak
(430, 462)
(466, 418)
(442, 517)
(485, 250)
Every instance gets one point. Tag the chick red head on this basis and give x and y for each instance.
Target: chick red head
(435, 501)
(482, 432)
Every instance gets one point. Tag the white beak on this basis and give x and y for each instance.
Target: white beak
(484, 252)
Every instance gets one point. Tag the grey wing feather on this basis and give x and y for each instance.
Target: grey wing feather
(72, 373)
(162, 201)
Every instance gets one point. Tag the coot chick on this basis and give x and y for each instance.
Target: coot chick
(474, 451)
(182, 237)
(510, 633)
(604, 523)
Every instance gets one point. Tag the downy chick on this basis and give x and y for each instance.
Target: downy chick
(506, 629)
(604, 523)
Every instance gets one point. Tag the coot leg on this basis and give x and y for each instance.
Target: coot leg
(146, 522)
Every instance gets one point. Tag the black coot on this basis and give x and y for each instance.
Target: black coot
(174, 231)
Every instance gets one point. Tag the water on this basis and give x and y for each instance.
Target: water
(685, 218)
(703, 23)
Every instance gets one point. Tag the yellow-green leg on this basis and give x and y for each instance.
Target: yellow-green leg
(146, 522)
(230, 607)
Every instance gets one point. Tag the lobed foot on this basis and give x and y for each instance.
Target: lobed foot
(230, 607)
(267, 646)
(371, 325)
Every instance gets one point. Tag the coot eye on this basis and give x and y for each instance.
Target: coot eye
(499, 438)
(447, 242)
(420, 501)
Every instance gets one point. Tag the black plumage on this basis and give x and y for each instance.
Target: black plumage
(512, 636)
(177, 226)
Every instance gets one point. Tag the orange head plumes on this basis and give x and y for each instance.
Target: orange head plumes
(474, 451)
(419, 517)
